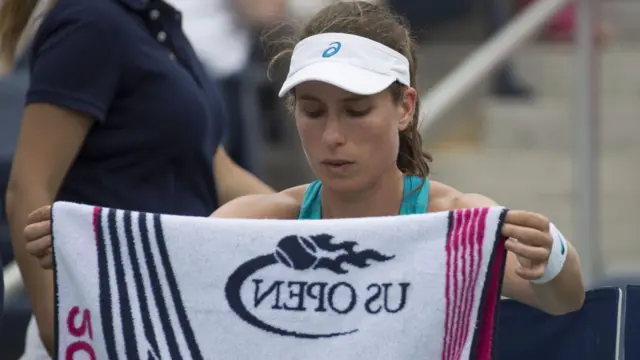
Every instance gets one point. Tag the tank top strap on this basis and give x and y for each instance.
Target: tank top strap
(416, 195)
(311, 208)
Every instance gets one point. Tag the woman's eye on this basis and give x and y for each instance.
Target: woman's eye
(314, 114)
(358, 113)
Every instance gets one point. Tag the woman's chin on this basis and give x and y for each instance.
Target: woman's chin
(342, 184)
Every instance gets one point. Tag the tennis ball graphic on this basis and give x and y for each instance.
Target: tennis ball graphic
(296, 252)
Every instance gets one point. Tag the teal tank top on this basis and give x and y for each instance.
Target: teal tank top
(415, 201)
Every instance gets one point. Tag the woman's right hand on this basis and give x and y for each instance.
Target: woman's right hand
(38, 236)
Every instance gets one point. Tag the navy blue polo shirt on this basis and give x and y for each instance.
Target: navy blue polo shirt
(158, 116)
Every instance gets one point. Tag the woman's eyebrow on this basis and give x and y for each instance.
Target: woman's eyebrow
(309, 97)
(352, 98)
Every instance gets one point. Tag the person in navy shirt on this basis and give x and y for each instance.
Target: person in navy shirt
(119, 113)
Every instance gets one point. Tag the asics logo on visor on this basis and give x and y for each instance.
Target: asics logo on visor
(333, 49)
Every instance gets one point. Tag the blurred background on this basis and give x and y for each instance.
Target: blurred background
(544, 118)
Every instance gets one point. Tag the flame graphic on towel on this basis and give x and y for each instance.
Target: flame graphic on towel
(358, 259)
(317, 252)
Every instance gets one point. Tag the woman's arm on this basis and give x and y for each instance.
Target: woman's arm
(271, 206)
(75, 71)
(49, 140)
(563, 294)
(232, 181)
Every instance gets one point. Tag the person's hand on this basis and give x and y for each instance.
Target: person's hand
(38, 236)
(529, 239)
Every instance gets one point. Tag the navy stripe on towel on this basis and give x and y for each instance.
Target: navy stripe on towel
(126, 315)
(105, 289)
(137, 278)
(187, 331)
(156, 286)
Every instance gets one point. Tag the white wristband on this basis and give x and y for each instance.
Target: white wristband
(558, 255)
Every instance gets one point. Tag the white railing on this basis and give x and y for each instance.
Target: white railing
(474, 69)
(484, 60)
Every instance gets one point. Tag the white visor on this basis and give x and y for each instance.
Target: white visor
(350, 62)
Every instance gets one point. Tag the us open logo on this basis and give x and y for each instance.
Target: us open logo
(313, 297)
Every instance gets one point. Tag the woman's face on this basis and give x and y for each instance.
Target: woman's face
(350, 140)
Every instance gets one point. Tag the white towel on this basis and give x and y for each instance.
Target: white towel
(145, 286)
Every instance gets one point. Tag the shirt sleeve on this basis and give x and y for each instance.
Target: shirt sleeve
(75, 65)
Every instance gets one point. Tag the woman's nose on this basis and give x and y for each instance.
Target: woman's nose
(333, 133)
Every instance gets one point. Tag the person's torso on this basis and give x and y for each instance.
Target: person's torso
(154, 151)
(415, 199)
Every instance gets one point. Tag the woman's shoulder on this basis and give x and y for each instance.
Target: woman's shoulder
(282, 205)
(96, 12)
(80, 15)
(443, 197)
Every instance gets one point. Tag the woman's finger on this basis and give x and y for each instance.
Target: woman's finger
(40, 214)
(535, 254)
(44, 252)
(527, 219)
(37, 230)
(39, 246)
(530, 273)
(46, 262)
(526, 235)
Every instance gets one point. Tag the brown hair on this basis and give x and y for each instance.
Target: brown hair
(14, 17)
(381, 25)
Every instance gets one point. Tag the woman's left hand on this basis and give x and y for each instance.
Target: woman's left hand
(529, 239)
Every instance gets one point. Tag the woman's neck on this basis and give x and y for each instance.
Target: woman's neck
(383, 198)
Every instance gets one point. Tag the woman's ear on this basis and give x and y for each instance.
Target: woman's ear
(407, 108)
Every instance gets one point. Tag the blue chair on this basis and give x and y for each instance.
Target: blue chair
(632, 323)
(629, 281)
(593, 333)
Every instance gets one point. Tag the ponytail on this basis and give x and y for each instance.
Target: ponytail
(412, 159)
